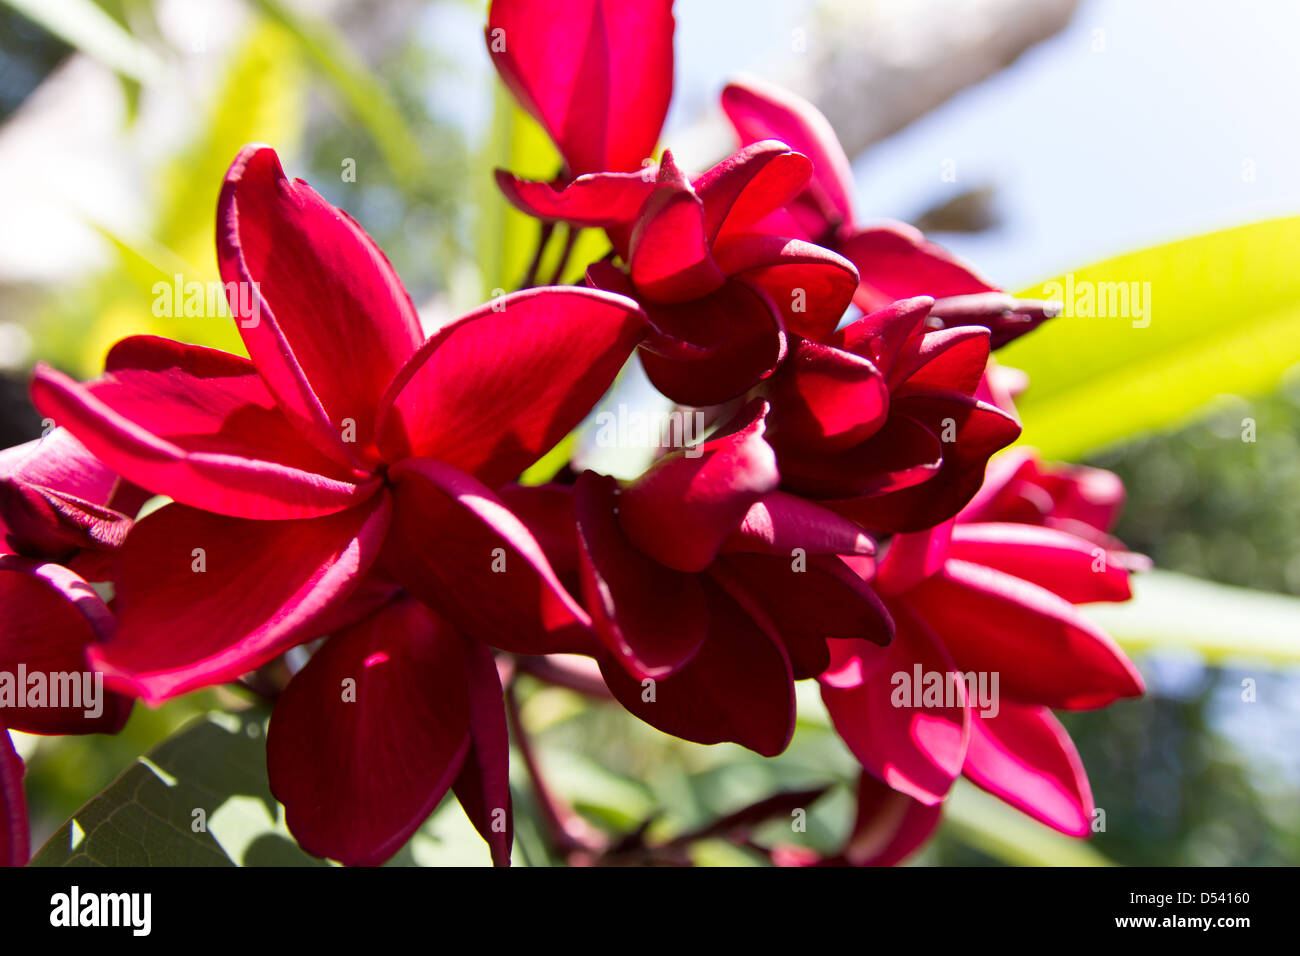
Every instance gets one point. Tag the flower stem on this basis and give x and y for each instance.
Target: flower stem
(543, 240)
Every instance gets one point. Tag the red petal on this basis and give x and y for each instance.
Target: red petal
(327, 299)
(917, 750)
(812, 286)
(455, 546)
(682, 509)
(1069, 567)
(495, 390)
(825, 399)
(1024, 756)
(902, 454)
(604, 200)
(890, 826)
(368, 737)
(752, 345)
(748, 185)
(651, 617)
(760, 110)
(896, 262)
(483, 787)
(952, 359)
(738, 687)
(821, 600)
(670, 258)
(266, 586)
(219, 444)
(1044, 650)
(15, 837)
(51, 617)
(882, 335)
(598, 75)
(779, 522)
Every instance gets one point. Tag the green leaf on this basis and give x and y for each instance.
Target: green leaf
(984, 822)
(1224, 318)
(1223, 623)
(82, 24)
(214, 771)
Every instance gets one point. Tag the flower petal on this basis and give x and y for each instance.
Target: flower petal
(1024, 756)
(895, 261)
(812, 286)
(738, 688)
(825, 399)
(778, 523)
(748, 185)
(1044, 650)
(15, 837)
(890, 826)
(914, 743)
(597, 76)
(759, 110)
(1069, 567)
(604, 200)
(368, 737)
(51, 616)
(651, 617)
(688, 503)
(483, 787)
(671, 260)
(458, 548)
(902, 454)
(326, 299)
(240, 592)
(208, 449)
(495, 390)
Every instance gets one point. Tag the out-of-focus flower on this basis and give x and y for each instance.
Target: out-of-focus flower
(985, 613)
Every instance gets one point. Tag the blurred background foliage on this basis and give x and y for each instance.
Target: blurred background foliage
(159, 95)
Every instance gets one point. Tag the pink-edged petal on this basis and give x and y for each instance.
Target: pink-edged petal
(326, 299)
(40, 521)
(1069, 567)
(895, 261)
(597, 75)
(1024, 756)
(749, 185)
(458, 548)
(904, 453)
(752, 345)
(825, 399)
(760, 110)
(811, 285)
(911, 558)
(890, 826)
(1044, 650)
(495, 390)
(808, 602)
(687, 504)
(202, 598)
(483, 786)
(61, 463)
(650, 617)
(778, 523)
(737, 688)
(603, 200)
(216, 464)
(969, 432)
(916, 749)
(368, 737)
(670, 259)
(51, 617)
(15, 836)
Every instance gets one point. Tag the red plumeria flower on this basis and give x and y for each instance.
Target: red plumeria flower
(702, 578)
(881, 422)
(719, 295)
(346, 442)
(985, 596)
(894, 260)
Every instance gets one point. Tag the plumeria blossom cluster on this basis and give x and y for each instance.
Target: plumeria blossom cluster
(352, 488)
